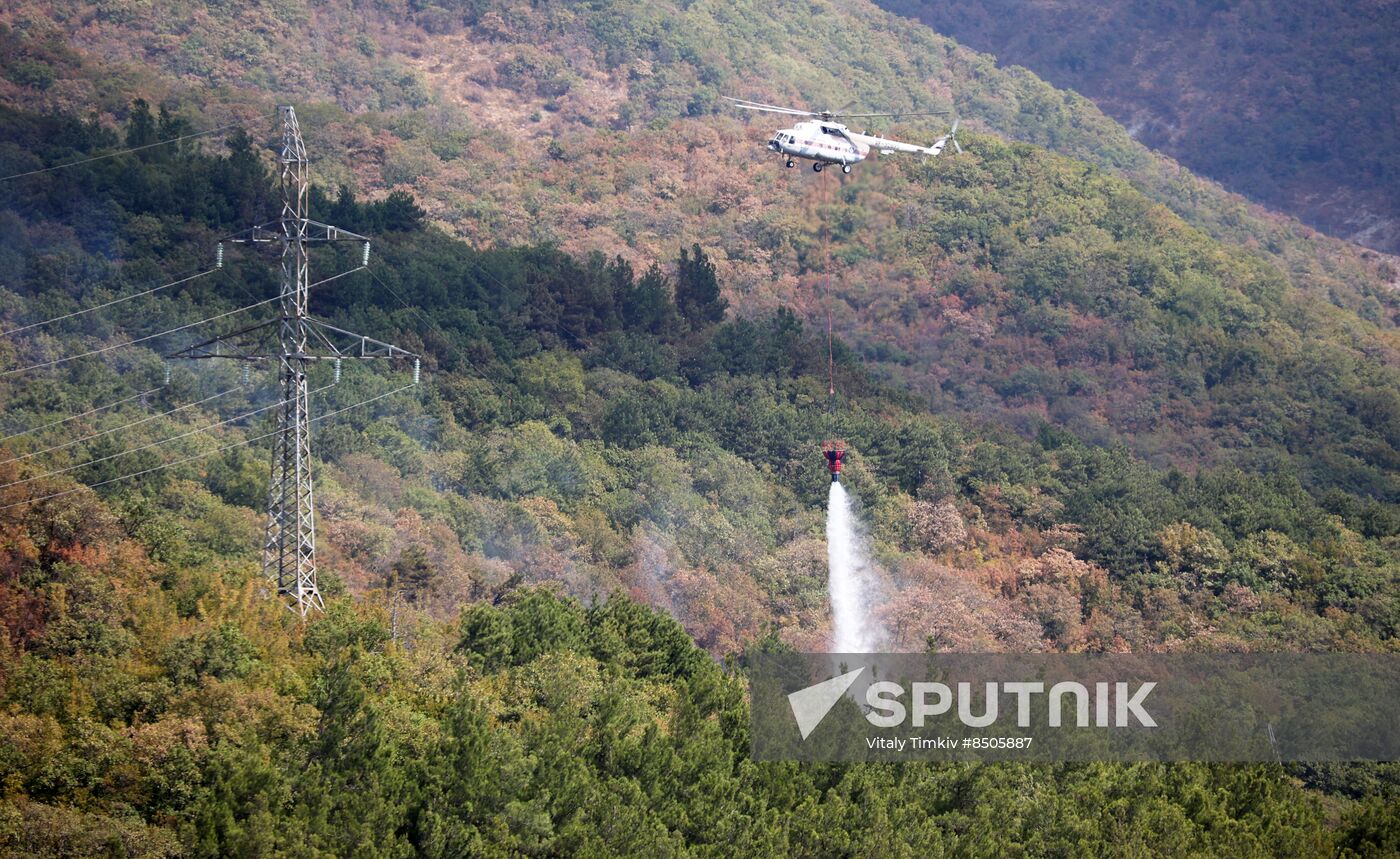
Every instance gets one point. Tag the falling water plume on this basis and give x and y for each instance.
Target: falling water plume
(852, 581)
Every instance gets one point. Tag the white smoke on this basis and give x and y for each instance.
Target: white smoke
(852, 580)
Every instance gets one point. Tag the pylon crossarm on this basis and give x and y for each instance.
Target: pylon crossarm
(211, 348)
(268, 232)
(361, 346)
(305, 228)
(318, 232)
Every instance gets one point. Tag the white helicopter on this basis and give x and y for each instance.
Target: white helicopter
(822, 140)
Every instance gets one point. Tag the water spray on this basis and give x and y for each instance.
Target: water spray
(851, 579)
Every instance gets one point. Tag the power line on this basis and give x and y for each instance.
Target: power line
(143, 472)
(107, 303)
(429, 321)
(223, 315)
(122, 151)
(92, 411)
(57, 361)
(198, 456)
(144, 420)
(363, 402)
(146, 446)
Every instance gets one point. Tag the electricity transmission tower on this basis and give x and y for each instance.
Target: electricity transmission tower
(289, 546)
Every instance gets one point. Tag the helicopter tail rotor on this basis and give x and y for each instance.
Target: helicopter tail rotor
(950, 137)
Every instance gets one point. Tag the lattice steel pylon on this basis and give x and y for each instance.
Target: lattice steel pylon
(289, 544)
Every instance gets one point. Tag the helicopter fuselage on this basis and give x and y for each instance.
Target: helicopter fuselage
(820, 142)
(819, 138)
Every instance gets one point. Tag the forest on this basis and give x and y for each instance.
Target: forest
(547, 564)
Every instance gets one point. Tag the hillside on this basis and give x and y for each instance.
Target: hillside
(579, 433)
(581, 144)
(462, 100)
(1053, 336)
(1291, 106)
(1095, 404)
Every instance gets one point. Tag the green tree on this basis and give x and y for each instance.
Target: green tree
(697, 289)
(648, 306)
(140, 125)
(412, 572)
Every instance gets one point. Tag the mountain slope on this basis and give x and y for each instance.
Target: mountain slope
(512, 124)
(600, 428)
(1292, 106)
(430, 87)
(594, 427)
(1011, 287)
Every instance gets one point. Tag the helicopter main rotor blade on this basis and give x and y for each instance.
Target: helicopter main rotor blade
(750, 102)
(872, 115)
(768, 108)
(777, 110)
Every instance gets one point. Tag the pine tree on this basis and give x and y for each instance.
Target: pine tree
(140, 126)
(697, 290)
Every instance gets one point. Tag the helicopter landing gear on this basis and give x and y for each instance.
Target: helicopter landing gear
(791, 164)
(816, 167)
(845, 168)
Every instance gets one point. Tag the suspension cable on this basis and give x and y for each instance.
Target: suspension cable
(144, 420)
(830, 349)
(825, 198)
(203, 455)
(107, 303)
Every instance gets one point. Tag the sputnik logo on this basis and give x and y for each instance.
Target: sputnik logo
(810, 705)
